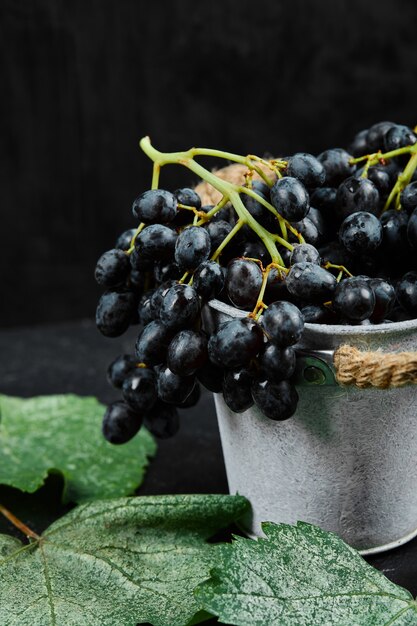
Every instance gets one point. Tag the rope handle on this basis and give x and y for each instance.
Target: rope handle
(374, 369)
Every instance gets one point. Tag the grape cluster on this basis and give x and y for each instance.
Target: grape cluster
(326, 239)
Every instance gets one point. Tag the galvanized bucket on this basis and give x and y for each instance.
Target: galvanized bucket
(346, 461)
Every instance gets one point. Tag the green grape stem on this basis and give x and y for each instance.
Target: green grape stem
(236, 228)
(403, 178)
(229, 191)
(132, 243)
(402, 181)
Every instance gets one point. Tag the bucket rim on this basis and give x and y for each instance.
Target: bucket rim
(328, 329)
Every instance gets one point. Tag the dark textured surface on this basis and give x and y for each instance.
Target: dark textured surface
(72, 357)
(83, 81)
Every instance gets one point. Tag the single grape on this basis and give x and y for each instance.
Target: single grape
(376, 135)
(158, 296)
(144, 308)
(311, 282)
(125, 239)
(318, 314)
(384, 298)
(319, 221)
(290, 198)
(336, 163)
(156, 242)
(398, 314)
(208, 279)
(277, 363)
(112, 268)
(120, 368)
(283, 323)
(359, 146)
(136, 280)
(237, 390)
(408, 197)
(305, 252)
(172, 388)
(211, 377)
(308, 229)
(235, 343)
(307, 169)
(255, 208)
(120, 423)
(382, 179)
(276, 288)
(361, 233)
(115, 311)
(192, 247)
(253, 250)
(188, 197)
(162, 420)
(139, 389)
(226, 213)
(259, 186)
(394, 231)
(167, 271)
(217, 232)
(335, 253)
(324, 199)
(412, 229)
(180, 307)
(258, 211)
(192, 399)
(406, 291)
(243, 283)
(356, 194)
(278, 401)
(354, 299)
(187, 352)
(155, 206)
(139, 262)
(152, 343)
(399, 136)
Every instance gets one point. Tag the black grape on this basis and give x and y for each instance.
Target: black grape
(235, 343)
(243, 283)
(115, 311)
(290, 198)
(278, 401)
(155, 206)
(192, 247)
(237, 390)
(187, 352)
(112, 268)
(283, 323)
(180, 307)
(120, 423)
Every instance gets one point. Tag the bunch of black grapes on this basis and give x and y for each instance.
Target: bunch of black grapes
(358, 266)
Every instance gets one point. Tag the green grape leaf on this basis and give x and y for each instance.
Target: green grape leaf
(301, 576)
(116, 563)
(62, 433)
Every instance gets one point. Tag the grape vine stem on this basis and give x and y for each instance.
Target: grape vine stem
(18, 524)
(403, 178)
(229, 191)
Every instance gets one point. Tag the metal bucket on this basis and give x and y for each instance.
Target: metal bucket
(346, 461)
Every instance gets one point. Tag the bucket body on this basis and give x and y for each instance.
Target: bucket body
(346, 461)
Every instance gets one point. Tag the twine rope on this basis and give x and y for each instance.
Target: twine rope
(375, 369)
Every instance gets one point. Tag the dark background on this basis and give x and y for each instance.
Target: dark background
(83, 80)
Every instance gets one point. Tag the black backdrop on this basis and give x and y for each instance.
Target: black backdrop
(83, 80)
